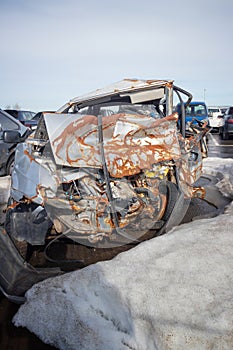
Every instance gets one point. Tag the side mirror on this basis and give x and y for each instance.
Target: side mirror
(11, 136)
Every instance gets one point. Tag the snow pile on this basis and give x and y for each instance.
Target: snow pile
(172, 292)
(223, 170)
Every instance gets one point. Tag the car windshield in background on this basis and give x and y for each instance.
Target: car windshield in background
(195, 110)
(22, 116)
(6, 123)
(27, 115)
(213, 110)
(223, 110)
(37, 116)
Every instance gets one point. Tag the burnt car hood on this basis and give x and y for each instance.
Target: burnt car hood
(131, 142)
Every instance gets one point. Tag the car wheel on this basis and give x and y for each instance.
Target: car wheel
(10, 165)
(172, 195)
(176, 208)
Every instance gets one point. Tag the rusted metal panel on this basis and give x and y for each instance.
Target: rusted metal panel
(131, 142)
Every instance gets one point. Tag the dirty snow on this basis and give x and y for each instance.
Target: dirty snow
(172, 292)
(222, 169)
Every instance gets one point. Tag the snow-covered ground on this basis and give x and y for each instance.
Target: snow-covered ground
(172, 292)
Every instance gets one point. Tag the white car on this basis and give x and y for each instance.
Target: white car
(215, 117)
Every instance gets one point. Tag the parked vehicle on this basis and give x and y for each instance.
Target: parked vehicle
(107, 170)
(195, 111)
(226, 130)
(7, 150)
(23, 116)
(215, 117)
(224, 109)
(32, 124)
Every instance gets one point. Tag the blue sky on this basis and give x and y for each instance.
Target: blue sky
(54, 50)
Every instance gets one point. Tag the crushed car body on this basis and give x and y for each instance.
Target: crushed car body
(107, 170)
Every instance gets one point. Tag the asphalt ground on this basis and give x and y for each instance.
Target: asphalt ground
(218, 147)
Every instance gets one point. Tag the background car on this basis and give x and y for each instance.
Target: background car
(32, 124)
(194, 111)
(23, 116)
(215, 117)
(226, 130)
(7, 150)
(224, 109)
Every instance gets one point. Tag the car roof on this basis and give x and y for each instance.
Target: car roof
(18, 112)
(197, 103)
(194, 103)
(123, 86)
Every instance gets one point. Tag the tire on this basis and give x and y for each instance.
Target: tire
(172, 195)
(176, 209)
(10, 164)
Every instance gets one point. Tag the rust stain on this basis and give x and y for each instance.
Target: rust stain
(126, 152)
(76, 208)
(12, 206)
(29, 156)
(169, 84)
(199, 192)
(132, 80)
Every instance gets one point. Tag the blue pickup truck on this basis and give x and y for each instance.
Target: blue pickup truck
(196, 111)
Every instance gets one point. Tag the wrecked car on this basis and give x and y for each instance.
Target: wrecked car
(106, 171)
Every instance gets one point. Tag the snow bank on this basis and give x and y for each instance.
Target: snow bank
(223, 170)
(172, 292)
